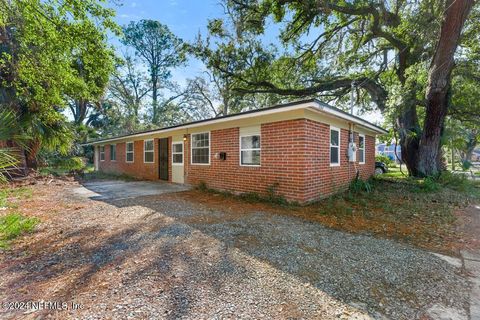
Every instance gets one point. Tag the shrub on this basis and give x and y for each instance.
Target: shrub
(358, 185)
(383, 158)
(202, 186)
(457, 182)
(430, 184)
(70, 163)
(273, 196)
(466, 165)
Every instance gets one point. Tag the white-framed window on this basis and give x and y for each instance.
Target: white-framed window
(113, 152)
(361, 149)
(334, 146)
(129, 153)
(200, 148)
(148, 151)
(102, 153)
(250, 150)
(177, 153)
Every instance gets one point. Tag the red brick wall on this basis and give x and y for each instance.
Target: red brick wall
(282, 161)
(138, 169)
(295, 156)
(323, 179)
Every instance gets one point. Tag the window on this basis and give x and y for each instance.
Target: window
(201, 148)
(148, 151)
(129, 152)
(102, 153)
(334, 146)
(361, 148)
(177, 153)
(250, 150)
(113, 152)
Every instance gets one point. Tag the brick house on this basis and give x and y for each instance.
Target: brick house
(299, 149)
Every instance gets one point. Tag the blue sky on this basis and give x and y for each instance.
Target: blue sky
(183, 17)
(186, 18)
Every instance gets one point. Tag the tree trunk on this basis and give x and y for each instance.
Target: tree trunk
(429, 150)
(470, 145)
(409, 129)
(31, 154)
(154, 99)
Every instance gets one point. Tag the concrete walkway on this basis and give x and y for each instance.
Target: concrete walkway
(471, 260)
(118, 189)
(472, 265)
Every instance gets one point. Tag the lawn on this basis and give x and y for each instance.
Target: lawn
(12, 223)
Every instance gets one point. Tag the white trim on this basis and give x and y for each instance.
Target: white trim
(100, 152)
(240, 150)
(209, 149)
(364, 147)
(115, 147)
(153, 150)
(132, 152)
(332, 128)
(313, 105)
(323, 107)
(182, 153)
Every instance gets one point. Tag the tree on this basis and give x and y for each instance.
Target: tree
(327, 45)
(159, 49)
(439, 78)
(50, 51)
(129, 86)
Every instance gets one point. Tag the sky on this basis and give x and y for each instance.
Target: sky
(185, 18)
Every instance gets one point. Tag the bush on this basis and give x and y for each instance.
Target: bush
(454, 181)
(466, 165)
(430, 185)
(359, 185)
(383, 158)
(202, 186)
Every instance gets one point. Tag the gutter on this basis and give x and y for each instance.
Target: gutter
(312, 104)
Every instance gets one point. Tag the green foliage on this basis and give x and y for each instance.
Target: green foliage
(52, 52)
(9, 131)
(202, 186)
(458, 182)
(160, 50)
(430, 185)
(358, 185)
(466, 165)
(13, 225)
(382, 158)
(68, 163)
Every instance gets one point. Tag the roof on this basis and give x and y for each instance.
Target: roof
(313, 104)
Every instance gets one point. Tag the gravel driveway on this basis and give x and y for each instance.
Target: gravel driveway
(166, 256)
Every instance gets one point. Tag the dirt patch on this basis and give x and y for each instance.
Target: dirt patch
(433, 222)
(200, 255)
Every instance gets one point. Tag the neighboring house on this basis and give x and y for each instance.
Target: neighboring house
(389, 151)
(298, 150)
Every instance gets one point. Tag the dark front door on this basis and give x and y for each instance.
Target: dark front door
(163, 158)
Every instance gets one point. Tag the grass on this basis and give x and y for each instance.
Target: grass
(13, 224)
(7, 194)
